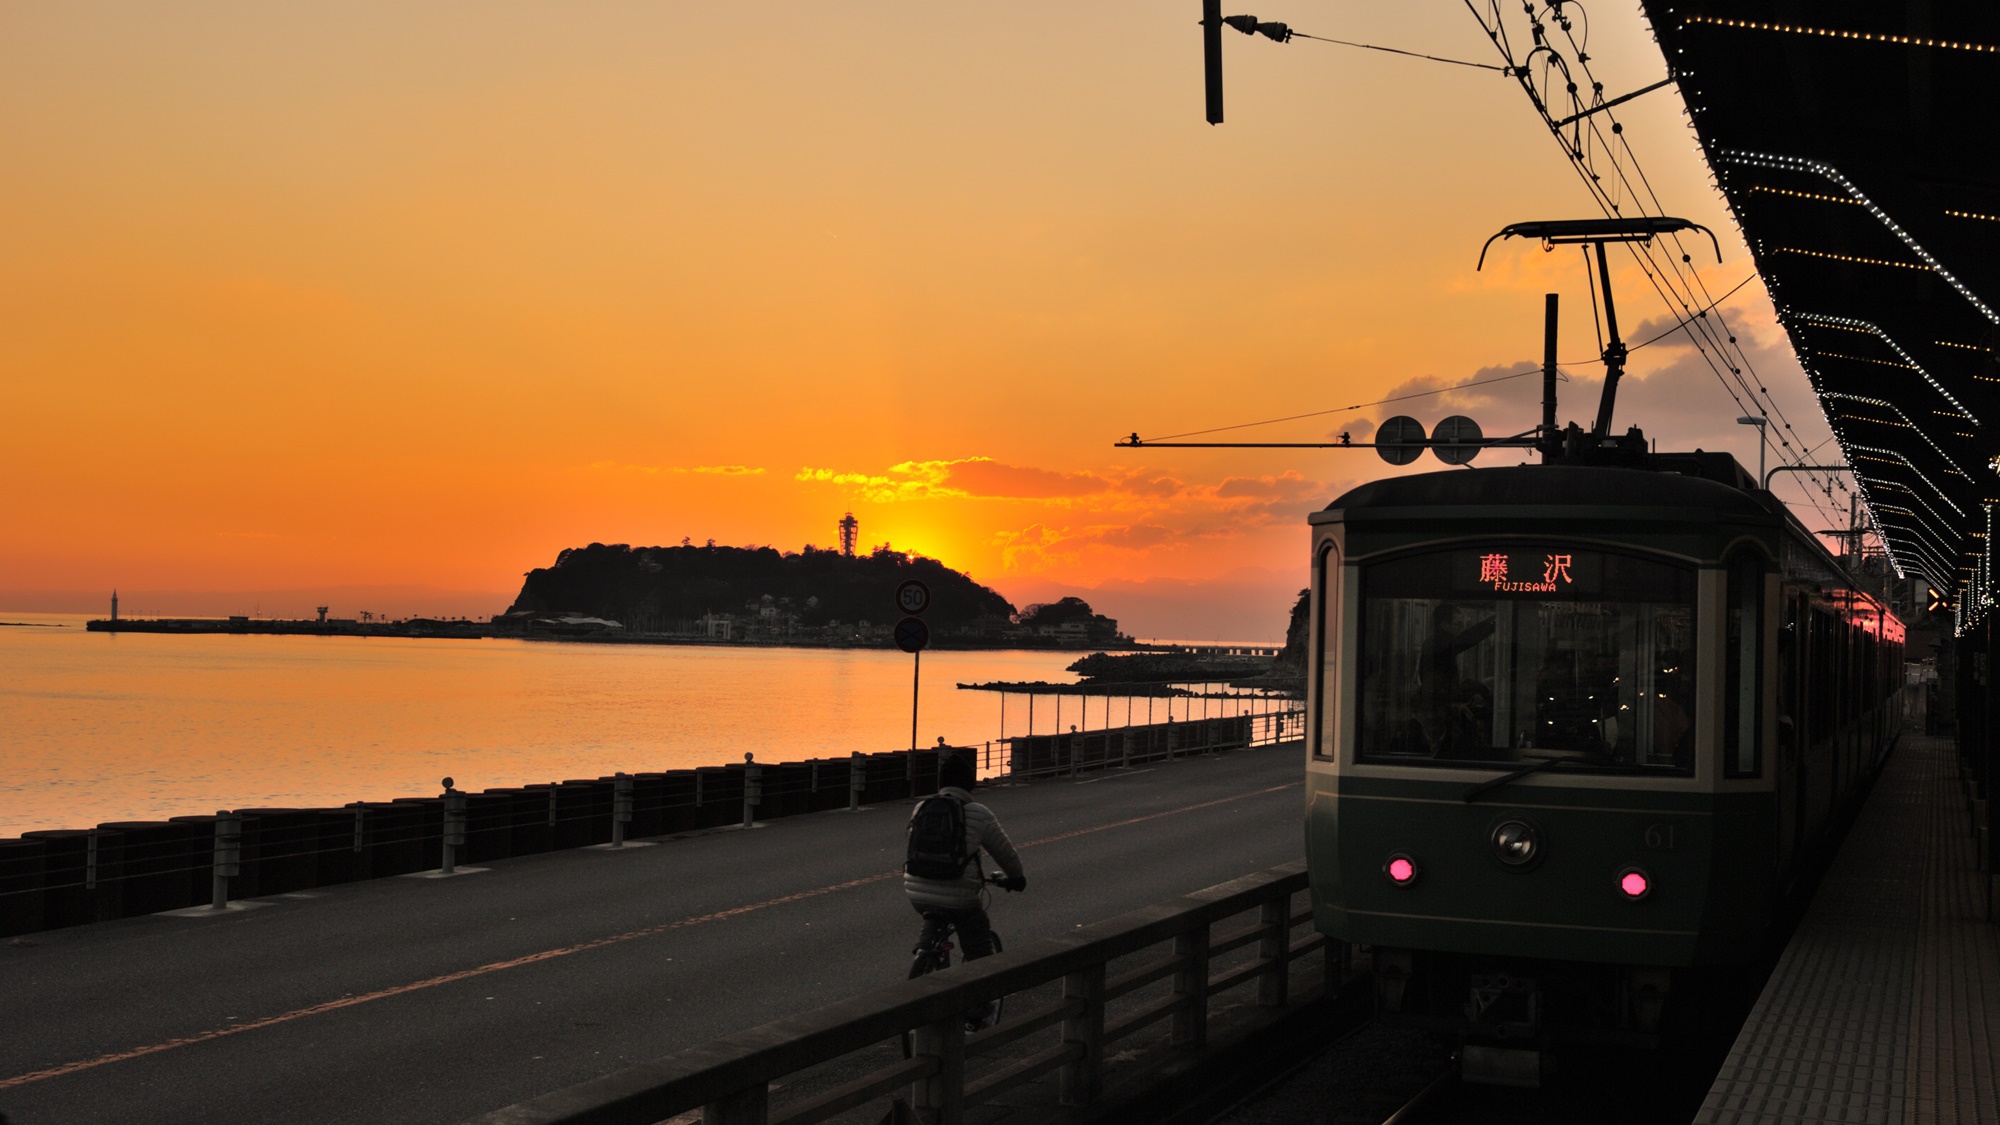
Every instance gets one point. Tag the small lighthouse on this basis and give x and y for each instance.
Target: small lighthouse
(114, 605)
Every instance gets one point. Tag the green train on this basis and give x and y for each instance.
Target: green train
(1574, 733)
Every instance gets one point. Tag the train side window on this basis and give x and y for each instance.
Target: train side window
(1327, 634)
(1743, 680)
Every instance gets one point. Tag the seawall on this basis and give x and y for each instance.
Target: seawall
(67, 877)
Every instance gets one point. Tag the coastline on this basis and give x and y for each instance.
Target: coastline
(473, 630)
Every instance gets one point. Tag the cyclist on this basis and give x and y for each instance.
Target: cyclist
(958, 899)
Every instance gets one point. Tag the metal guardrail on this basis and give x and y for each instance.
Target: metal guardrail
(730, 1079)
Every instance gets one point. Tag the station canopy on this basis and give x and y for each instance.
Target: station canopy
(1859, 148)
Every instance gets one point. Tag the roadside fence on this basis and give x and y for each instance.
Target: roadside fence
(1117, 978)
(65, 877)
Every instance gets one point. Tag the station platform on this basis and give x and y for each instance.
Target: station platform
(1885, 1006)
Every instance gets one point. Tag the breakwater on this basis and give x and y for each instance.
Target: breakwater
(66, 877)
(264, 626)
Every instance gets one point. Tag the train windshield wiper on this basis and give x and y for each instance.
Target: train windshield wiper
(1484, 787)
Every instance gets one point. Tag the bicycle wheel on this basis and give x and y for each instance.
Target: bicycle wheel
(931, 955)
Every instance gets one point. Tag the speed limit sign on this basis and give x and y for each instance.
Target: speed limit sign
(913, 597)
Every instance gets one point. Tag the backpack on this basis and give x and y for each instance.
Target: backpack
(937, 840)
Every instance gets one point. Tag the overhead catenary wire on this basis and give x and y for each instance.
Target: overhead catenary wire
(1588, 138)
(1296, 34)
(1580, 155)
(1536, 369)
(1583, 56)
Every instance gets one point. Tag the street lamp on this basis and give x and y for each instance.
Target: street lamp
(1760, 422)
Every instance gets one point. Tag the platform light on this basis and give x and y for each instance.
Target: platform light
(1832, 174)
(1839, 33)
(1634, 883)
(1855, 258)
(1851, 324)
(1401, 869)
(1820, 196)
(1871, 401)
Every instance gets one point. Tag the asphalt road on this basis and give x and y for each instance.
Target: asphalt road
(432, 1000)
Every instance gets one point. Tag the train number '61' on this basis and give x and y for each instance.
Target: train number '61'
(1660, 837)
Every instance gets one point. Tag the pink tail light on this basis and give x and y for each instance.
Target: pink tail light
(1401, 870)
(1634, 883)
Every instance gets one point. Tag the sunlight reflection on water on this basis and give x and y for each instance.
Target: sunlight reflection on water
(97, 727)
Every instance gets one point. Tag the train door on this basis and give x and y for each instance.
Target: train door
(1789, 763)
(1821, 690)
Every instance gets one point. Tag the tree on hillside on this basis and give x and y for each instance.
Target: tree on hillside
(1068, 611)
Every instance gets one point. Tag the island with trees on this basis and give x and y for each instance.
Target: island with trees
(760, 595)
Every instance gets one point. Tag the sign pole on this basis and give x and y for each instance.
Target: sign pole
(913, 598)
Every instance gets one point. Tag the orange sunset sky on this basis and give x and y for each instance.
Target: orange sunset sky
(383, 304)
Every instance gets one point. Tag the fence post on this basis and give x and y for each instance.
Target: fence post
(621, 806)
(1082, 1081)
(748, 1106)
(1191, 983)
(552, 808)
(454, 827)
(1274, 987)
(940, 1098)
(857, 777)
(753, 788)
(1125, 748)
(359, 807)
(90, 861)
(228, 861)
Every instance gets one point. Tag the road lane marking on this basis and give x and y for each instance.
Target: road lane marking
(1109, 776)
(563, 951)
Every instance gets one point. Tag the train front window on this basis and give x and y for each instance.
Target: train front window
(1516, 654)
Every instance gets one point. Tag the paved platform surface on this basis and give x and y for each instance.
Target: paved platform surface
(1885, 1006)
(433, 1000)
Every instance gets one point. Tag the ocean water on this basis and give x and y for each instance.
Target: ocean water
(97, 727)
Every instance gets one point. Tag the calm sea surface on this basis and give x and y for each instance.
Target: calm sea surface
(98, 727)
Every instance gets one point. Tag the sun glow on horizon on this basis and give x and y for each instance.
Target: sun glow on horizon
(391, 298)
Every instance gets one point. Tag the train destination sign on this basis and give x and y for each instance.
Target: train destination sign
(1529, 570)
(1500, 570)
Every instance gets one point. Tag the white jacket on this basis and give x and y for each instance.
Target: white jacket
(982, 832)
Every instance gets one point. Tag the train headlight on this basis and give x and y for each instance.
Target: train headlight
(1401, 869)
(1634, 883)
(1517, 843)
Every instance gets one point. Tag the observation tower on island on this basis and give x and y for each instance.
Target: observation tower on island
(850, 533)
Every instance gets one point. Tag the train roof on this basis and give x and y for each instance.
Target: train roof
(1545, 485)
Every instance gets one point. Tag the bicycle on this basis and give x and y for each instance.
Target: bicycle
(933, 952)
